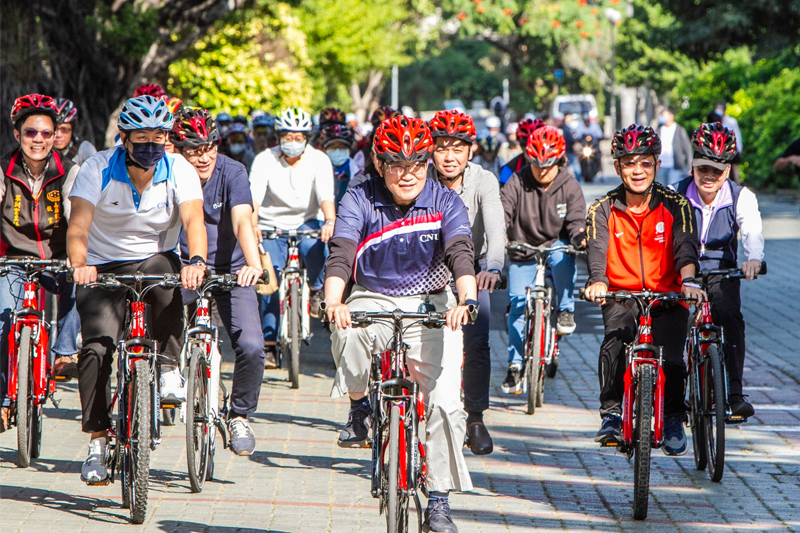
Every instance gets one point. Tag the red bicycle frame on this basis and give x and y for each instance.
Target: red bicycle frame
(31, 316)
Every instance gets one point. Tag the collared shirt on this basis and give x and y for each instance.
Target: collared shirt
(401, 254)
(129, 226)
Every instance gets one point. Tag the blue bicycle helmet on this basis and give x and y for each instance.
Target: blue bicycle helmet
(145, 113)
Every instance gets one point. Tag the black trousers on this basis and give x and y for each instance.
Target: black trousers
(103, 314)
(726, 310)
(477, 358)
(669, 331)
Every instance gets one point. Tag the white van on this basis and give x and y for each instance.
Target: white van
(575, 105)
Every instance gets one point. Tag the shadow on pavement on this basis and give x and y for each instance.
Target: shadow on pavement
(98, 510)
(345, 465)
(302, 421)
(174, 526)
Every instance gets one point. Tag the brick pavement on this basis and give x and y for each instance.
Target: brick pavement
(546, 472)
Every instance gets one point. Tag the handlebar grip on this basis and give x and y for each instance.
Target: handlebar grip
(264, 277)
(582, 293)
(763, 270)
(502, 283)
(70, 275)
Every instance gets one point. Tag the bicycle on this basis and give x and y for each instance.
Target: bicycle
(709, 406)
(643, 397)
(138, 429)
(540, 356)
(293, 292)
(30, 374)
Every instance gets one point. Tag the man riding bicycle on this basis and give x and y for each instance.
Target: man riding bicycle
(399, 239)
(228, 208)
(129, 204)
(543, 205)
(291, 185)
(33, 223)
(525, 128)
(641, 236)
(723, 209)
(453, 133)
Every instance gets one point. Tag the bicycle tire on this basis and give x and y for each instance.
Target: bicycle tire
(533, 369)
(551, 368)
(294, 335)
(642, 440)
(696, 414)
(36, 431)
(139, 440)
(714, 408)
(397, 509)
(197, 421)
(24, 396)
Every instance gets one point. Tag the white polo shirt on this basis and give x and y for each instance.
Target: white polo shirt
(289, 196)
(128, 226)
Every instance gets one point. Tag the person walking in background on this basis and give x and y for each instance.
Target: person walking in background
(676, 150)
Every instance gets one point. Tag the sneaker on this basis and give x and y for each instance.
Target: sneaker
(172, 386)
(566, 322)
(740, 407)
(356, 431)
(513, 381)
(316, 299)
(242, 442)
(93, 469)
(674, 437)
(65, 367)
(5, 419)
(610, 430)
(437, 517)
(270, 356)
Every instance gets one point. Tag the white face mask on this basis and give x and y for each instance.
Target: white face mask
(339, 156)
(293, 149)
(238, 148)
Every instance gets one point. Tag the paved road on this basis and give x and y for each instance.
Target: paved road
(546, 472)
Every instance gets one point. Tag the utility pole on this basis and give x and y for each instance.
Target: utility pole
(395, 86)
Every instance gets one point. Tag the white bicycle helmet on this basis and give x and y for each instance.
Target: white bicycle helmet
(293, 119)
(145, 113)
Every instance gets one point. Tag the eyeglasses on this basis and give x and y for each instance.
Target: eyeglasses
(293, 138)
(399, 169)
(709, 171)
(644, 165)
(31, 133)
(199, 151)
(64, 130)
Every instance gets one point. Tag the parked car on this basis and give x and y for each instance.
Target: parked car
(575, 105)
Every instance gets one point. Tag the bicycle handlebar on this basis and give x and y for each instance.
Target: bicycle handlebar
(644, 296)
(730, 273)
(523, 246)
(361, 319)
(33, 265)
(111, 281)
(274, 233)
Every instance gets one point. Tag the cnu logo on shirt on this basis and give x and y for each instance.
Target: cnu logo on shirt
(429, 237)
(163, 205)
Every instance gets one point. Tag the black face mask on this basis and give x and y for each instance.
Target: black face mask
(147, 155)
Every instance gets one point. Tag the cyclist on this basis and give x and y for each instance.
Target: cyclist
(228, 207)
(150, 89)
(331, 115)
(453, 133)
(641, 236)
(291, 184)
(263, 132)
(33, 222)
(399, 238)
(129, 204)
(236, 145)
(524, 129)
(364, 160)
(543, 205)
(723, 209)
(486, 154)
(67, 143)
(336, 140)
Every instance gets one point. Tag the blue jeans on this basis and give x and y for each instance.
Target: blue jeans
(562, 271)
(314, 253)
(69, 324)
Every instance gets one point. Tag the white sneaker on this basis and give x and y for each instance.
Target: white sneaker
(172, 386)
(243, 442)
(93, 469)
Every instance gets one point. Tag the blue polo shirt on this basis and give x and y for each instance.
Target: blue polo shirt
(401, 254)
(227, 187)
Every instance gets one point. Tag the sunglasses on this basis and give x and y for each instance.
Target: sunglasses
(646, 165)
(31, 133)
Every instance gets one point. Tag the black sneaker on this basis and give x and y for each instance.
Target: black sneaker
(270, 356)
(610, 431)
(566, 323)
(356, 431)
(437, 517)
(740, 407)
(674, 436)
(316, 299)
(513, 381)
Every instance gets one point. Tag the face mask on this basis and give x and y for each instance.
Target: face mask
(662, 120)
(293, 149)
(237, 148)
(147, 154)
(339, 157)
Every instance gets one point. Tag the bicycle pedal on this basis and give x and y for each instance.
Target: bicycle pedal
(62, 379)
(171, 405)
(733, 420)
(101, 483)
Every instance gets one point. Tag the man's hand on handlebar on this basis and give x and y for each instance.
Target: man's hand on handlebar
(247, 275)
(84, 275)
(457, 316)
(694, 292)
(326, 232)
(594, 290)
(751, 269)
(486, 280)
(338, 314)
(192, 276)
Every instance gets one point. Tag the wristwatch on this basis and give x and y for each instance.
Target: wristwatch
(330, 222)
(690, 282)
(197, 260)
(495, 272)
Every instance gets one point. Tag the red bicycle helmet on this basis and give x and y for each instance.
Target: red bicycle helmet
(526, 127)
(546, 147)
(453, 123)
(403, 139)
(714, 142)
(337, 133)
(150, 89)
(635, 139)
(381, 114)
(331, 115)
(193, 127)
(30, 104)
(67, 112)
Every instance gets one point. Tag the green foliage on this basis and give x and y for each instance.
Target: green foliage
(253, 59)
(126, 34)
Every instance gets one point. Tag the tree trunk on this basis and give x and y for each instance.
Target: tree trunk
(364, 103)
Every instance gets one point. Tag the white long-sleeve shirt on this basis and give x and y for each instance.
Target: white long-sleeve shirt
(748, 218)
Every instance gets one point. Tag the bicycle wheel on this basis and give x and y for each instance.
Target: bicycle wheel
(198, 420)
(294, 335)
(25, 405)
(533, 368)
(642, 440)
(138, 442)
(697, 415)
(714, 410)
(397, 501)
(551, 367)
(36, 431)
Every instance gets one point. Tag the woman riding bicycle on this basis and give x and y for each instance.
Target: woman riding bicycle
(543, 205)
(399, 239)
